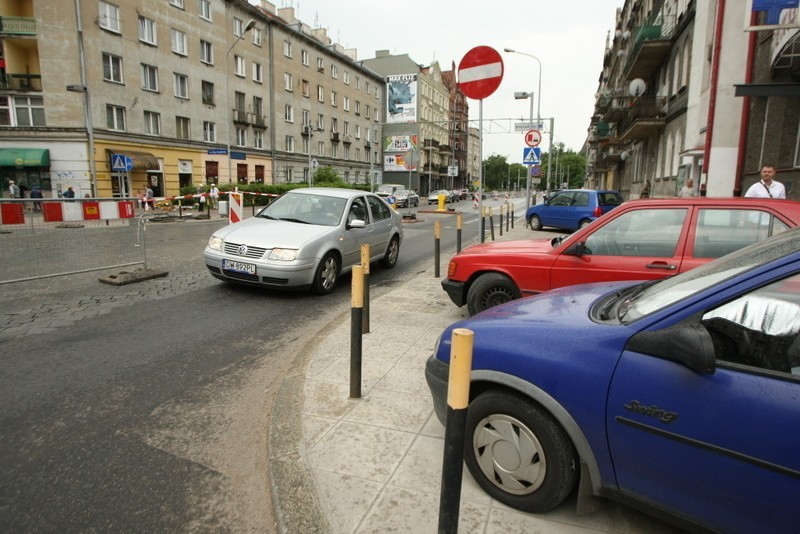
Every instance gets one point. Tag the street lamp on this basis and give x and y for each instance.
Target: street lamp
(249, 26)
(521, 95)
(539, 102)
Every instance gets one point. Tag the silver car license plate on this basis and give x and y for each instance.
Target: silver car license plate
(239, 266)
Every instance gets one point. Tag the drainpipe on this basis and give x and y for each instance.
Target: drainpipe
(712, 100)
(745, 126)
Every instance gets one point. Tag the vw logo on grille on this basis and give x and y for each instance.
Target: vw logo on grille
(242, 250)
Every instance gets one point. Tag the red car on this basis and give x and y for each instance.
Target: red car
(640, 240)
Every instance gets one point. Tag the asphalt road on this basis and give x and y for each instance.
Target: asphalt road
(146, 407)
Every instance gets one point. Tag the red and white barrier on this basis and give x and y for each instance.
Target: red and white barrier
(87, 210)
(235, 201)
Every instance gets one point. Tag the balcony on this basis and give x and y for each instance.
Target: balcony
(11, 26)
(602, 130)
(367, 144)
(677, 103)
(646, 117)
(651, 46)
(335, 137)
(21, 82)
(618, 108)
(610, 153)
(258, 121)
(240, 116)
(347, 139)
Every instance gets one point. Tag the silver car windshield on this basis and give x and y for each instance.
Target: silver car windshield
(648, 298)
(320, 210)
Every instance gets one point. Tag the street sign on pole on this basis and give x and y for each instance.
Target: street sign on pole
(533, 138)
(121, 162)
(531, 156)
(480, 72)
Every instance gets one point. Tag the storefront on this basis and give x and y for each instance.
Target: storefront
(27, 167)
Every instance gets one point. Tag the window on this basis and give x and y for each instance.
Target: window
(304, 55)
(358, 107)
(147, 31)
(320, 121)
(721, 231)
(289, 174)
(358, 82)
(358, 131)
(305, 88)
(241, 173)
(797, 147)
(239, 66)
(29, 110)
(204, 9)
(258, 139)
(149, 77)
(238, 27)
(257, 72)
(258, 107)
(346, 151)
(257, 36)
(346, 78)
(152, 123)
(346, 103)
(380, 211)
(182, 128)
(181, 85)
(259, 174)
(109, 17)
(241, 136)
(178, 42)
(366, 87)
(5, 111)
(334, 71)
(112, 68)
(288, 82)
(640, 233)
(287, 49)
(207, 89)
(346, 129)
(320, 148)
(334, 124)
(333, 98)
(320, 93)
(209, 132)
(366, 111)
(320, 64)
(206, 52)
(289, 142)
(306, 118)
(334, 150)
(288, 113)
(177, 3)
(306, 145)
(115, 118)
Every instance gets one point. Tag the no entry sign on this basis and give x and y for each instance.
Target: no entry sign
(480, 72)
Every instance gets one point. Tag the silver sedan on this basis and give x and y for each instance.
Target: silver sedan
(305, 239)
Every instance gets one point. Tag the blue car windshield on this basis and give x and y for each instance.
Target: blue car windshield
(632, 304)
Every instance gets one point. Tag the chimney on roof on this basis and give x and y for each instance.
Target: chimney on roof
(382, 53)
(287, 13)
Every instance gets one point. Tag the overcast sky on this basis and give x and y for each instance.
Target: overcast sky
(567, 36)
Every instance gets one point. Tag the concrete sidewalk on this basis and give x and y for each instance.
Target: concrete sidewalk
(374, 464)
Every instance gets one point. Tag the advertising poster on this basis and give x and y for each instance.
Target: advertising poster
(396, 150)
(401, 98)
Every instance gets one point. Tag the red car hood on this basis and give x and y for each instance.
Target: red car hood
(524, 246)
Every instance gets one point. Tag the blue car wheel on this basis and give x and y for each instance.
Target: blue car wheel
(518, 453)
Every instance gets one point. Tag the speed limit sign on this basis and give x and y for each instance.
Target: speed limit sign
(533, 138)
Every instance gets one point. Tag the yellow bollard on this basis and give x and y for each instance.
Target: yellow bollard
(356, 312)
(440, 205)
(365, 265)
(459, 226)
(437, 234)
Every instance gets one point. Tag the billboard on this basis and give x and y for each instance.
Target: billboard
(401, 98)
(400, 153)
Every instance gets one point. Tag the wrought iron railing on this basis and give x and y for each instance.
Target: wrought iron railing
(17, 26)
(21, 82)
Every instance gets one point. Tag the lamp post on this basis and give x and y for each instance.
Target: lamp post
(247, 28)
(309, 131)
(521, 96)
(538, 103)
(87, 104)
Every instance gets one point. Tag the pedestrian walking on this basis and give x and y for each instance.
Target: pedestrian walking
(69, 193)
(149, 198)
(36, 193)
(13, 189)
(201, 201)
(214, 196)
(767, 187)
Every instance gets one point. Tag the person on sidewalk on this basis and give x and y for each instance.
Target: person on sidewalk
(69, 193)
(13, 189)
(767, 187)
(149, 200)
(688, 189)
(214, 196)
(36, 194)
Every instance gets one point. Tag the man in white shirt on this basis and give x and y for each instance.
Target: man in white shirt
(688, 189)
(767, 187)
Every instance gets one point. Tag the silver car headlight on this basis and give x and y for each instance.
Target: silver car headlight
(215, 243)
(283, 254)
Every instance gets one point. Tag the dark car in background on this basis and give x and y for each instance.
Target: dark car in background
(572, 209)
(677, 396)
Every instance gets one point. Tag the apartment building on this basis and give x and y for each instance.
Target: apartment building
(459, 175)
(109, 96)
(685, 92)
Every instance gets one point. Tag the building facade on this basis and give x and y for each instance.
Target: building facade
(686, 93)
(109, 97)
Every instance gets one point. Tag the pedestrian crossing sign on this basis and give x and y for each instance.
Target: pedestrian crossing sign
(532, 155)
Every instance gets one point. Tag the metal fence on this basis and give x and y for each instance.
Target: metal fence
(40, 239)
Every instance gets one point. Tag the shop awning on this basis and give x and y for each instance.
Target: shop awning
(24, 157)
(141, 160)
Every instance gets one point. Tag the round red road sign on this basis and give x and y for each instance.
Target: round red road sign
(480, 72)
(533, 138)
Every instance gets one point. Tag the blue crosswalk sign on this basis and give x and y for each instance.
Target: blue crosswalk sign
(531, 155)
(121, 162)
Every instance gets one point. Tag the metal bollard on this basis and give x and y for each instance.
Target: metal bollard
(502, 208)
(491, 223)
(437, 234)
(455, 428)
(365, 265)
(508, 218)
(356, 318)
(459, 225)
(512, 216)
(483, 225)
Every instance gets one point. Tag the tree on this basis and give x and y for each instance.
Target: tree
(328, 176)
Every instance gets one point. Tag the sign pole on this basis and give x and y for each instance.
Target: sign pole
(480, 173)
(528, 180)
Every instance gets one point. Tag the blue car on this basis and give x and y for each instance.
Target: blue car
(680, 397)
(572, 209)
